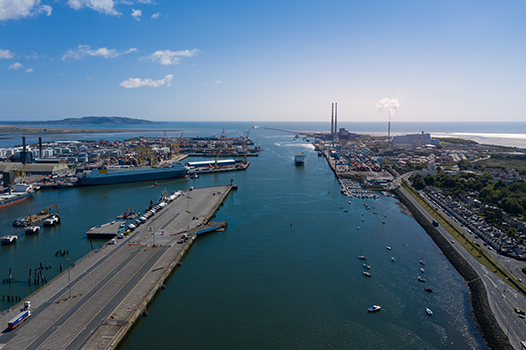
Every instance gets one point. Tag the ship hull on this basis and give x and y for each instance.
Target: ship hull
(118, 177)
(10, 201)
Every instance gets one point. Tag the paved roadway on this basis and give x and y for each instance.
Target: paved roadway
(503, 299)
(107, 277)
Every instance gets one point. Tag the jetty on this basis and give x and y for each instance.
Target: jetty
(94, 303)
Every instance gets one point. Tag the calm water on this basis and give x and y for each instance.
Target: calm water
(264, 283)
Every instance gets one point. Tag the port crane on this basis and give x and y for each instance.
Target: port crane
(179, 146)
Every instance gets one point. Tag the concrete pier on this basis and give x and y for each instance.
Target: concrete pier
(111, 287)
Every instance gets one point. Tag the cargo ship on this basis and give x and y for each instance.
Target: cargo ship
(105, 176)
(299, 159)
(21, 192)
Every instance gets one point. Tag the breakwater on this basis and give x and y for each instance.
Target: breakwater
(481, 310)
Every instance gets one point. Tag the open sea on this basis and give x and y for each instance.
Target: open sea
(285, 274)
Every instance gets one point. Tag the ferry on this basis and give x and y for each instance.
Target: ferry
(105, 176)
(299, 159)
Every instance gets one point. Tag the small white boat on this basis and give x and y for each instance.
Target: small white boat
(374, 308)
(393, 259)
(362, 257)
(367, 274)
(366, 266)
(420, 279)
(429, 312)
(422, 262)
(388, 248)
(422, 270)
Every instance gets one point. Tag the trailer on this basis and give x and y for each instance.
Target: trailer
(21, 317)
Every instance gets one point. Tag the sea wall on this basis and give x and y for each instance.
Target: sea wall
(483, 317)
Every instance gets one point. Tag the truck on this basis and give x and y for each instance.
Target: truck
(21, 317)
(435, 223)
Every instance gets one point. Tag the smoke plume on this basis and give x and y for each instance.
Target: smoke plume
(390, 103)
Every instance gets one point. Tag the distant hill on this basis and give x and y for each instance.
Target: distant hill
(91, 121)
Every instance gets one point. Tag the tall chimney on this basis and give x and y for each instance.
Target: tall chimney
(422, 142)
(389, 131)
(332, 119)
(40, 146)
(336, 118)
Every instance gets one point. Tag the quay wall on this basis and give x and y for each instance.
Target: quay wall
(173, 262)
(483, 317)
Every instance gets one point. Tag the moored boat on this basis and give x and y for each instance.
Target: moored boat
(422, 262)
(362, 257)
(367, 274)
(420, 279)
(422, 270)
(374, 308)
(428, 311)
(428, 290)
(105, 176)
(388, 248)
(366, 266)
(392, 259)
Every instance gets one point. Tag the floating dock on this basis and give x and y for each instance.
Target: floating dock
(106, 231)
(111, 287)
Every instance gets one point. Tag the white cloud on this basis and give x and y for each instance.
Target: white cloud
(145, 1)
(13, 9)
(89, 77)
(6, 54)
(168, 57)
(137, 82)
(103, 6)
(85, 50)
(156, 15)
(218, 82)
(16, 65)
(137, 14)
(29, 70)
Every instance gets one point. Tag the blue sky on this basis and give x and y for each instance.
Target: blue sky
(269, 60)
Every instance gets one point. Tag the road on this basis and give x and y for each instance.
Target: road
(503, 299)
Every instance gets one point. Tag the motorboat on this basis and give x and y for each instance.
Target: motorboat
(367, 274)
(362, 257)
(374, 308)
(422, 270)
(393, 259)
(422, 262)
(428, 311)
(428, 290)
(366, 266)
(420, 279)
(388, 248)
